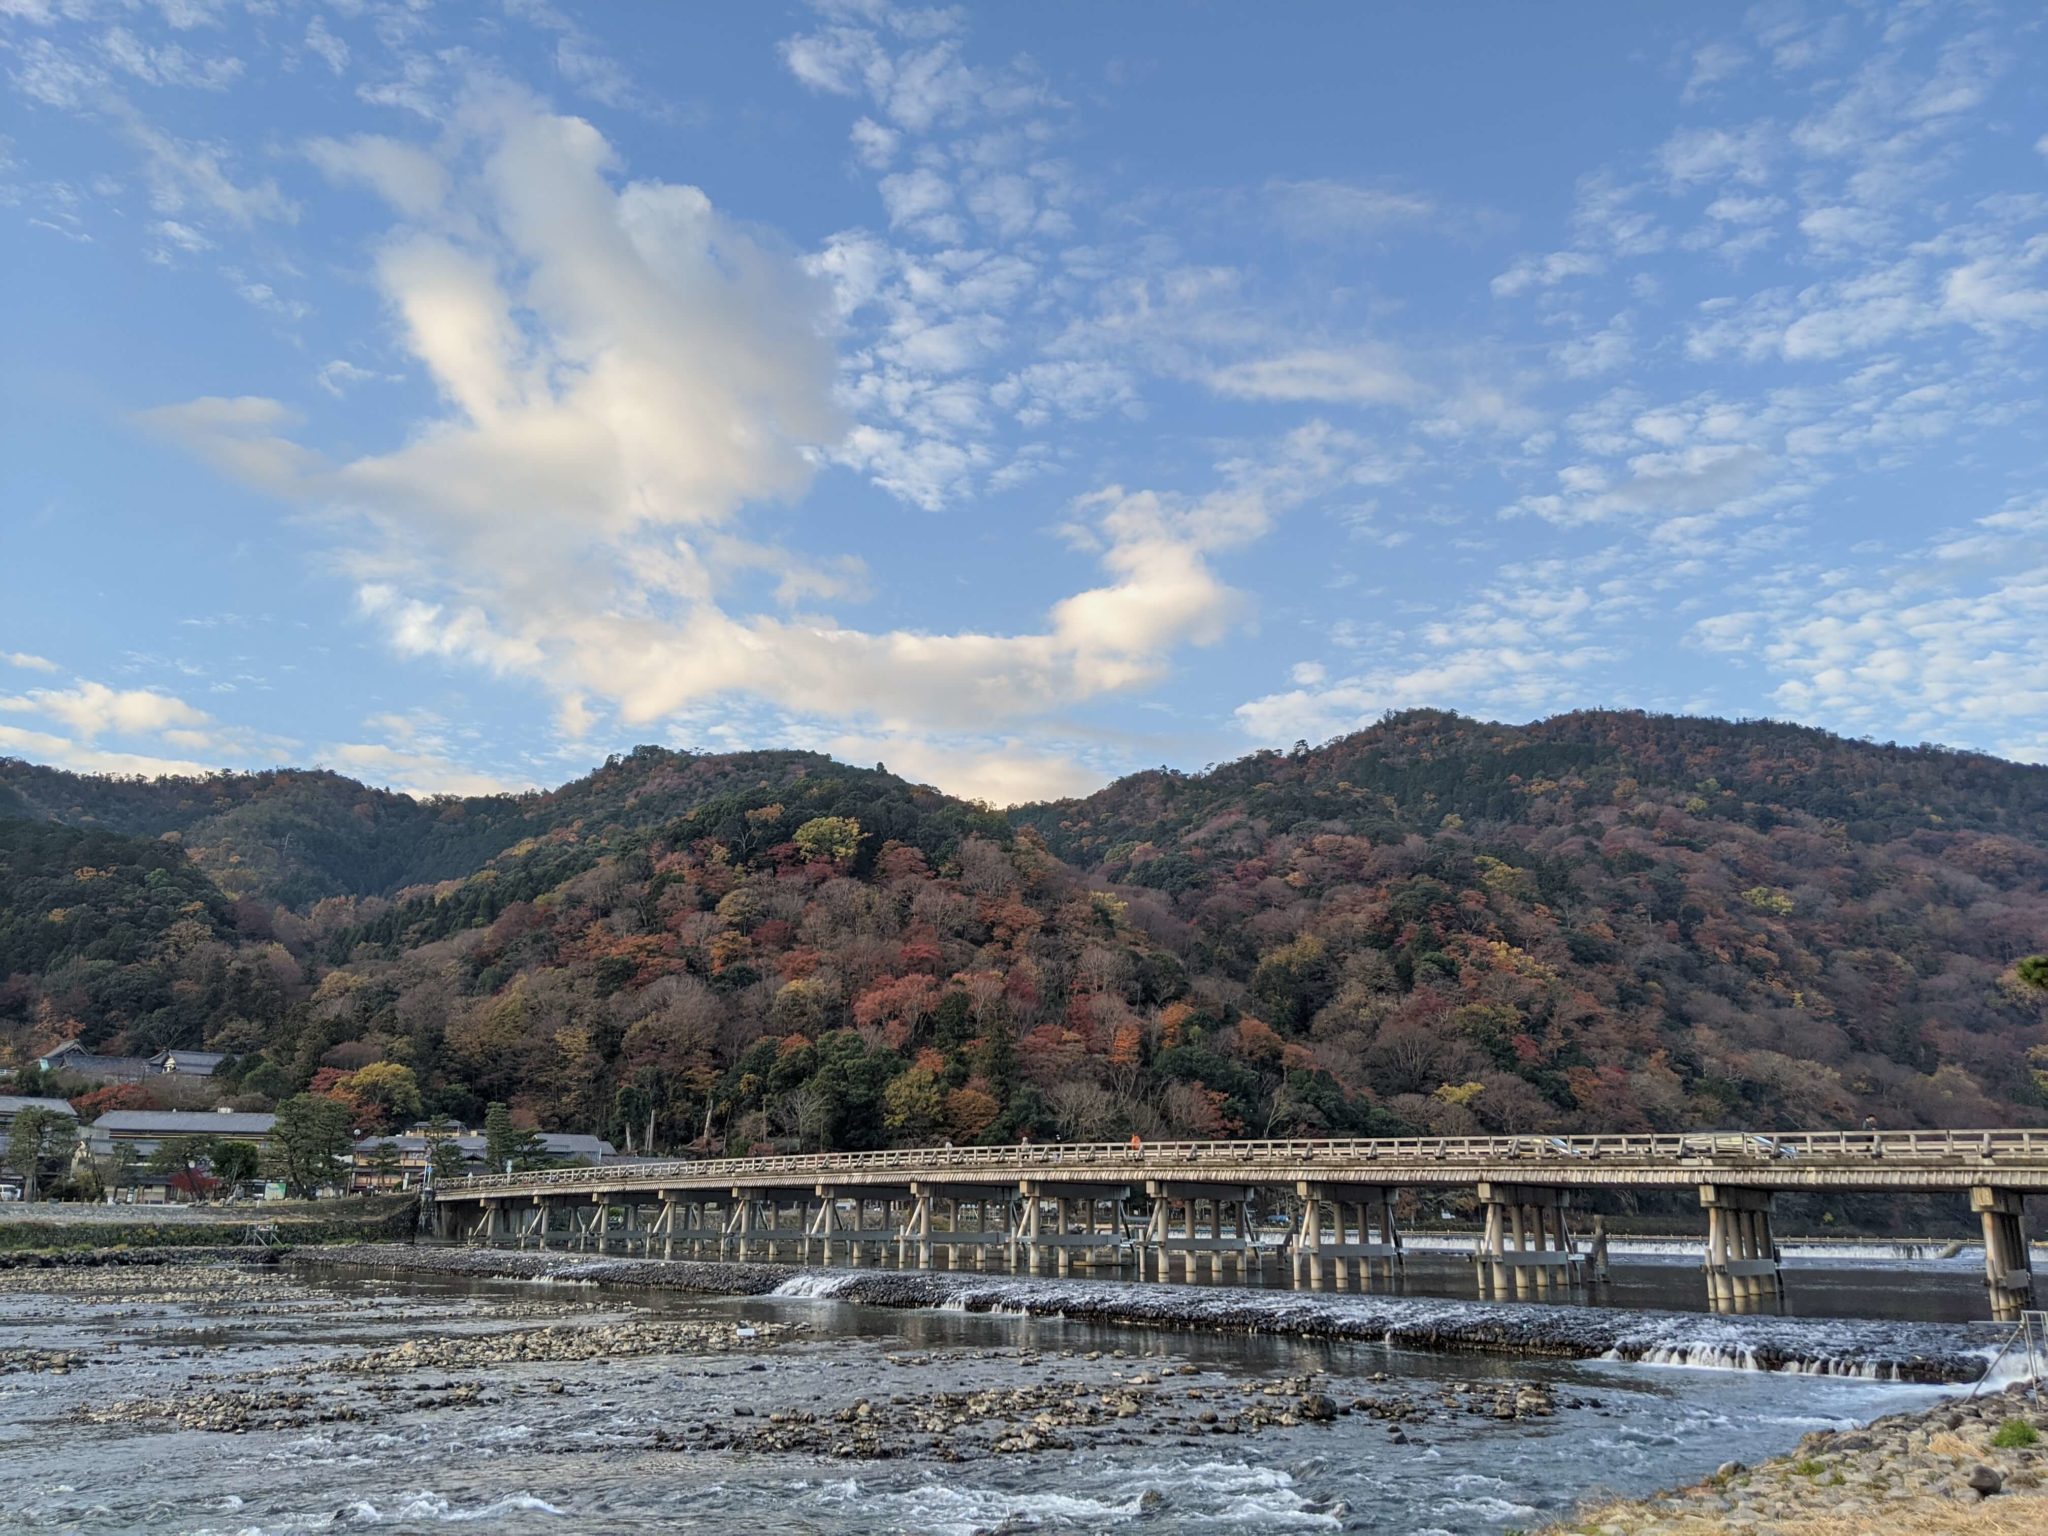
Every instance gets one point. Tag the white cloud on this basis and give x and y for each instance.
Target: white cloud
(167, 65)
(340, 375)
(329, 48)
(27, 662)
(92, 710)
(1546, 272)
(408, 178)
(413, 772)
(1598, 352)
(185, 173)
(1353, 376)
(874, 144)
(62, 752)
(1003, 773)
(1999, 292)
(1693, 156)
(1341, 211)
(1711, 65)
(625, 374)
(919, 88)
(1943, 646)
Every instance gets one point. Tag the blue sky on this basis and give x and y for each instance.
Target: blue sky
(1016, 395)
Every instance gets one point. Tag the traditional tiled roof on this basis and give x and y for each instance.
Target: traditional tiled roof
(13, 1104)
(183, 1122)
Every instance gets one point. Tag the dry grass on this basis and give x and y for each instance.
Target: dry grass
(2006, 1515)
(1949, 1443)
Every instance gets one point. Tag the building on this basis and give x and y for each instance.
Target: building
(188, 1063)
(414, 1149)
(73, 1057)
(12, 1105)
(142, 1131)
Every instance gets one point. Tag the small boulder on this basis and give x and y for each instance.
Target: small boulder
(1985, 1481)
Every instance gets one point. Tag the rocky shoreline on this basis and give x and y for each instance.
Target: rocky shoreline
(1912, 1352)
(144, 1257)
(1973, 1467)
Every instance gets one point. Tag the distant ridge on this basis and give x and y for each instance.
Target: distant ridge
(1605, 921)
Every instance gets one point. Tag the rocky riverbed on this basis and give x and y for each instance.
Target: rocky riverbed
(1975, 1466)
(410, 1388)
(1924, 1352)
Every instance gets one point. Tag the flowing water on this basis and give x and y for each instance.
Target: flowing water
(529, 1445)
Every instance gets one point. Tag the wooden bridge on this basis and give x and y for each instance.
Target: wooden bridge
(1150, 1207)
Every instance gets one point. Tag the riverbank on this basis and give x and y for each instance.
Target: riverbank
(1907, 1352)
(409, 1394)
(52, 1227)
(1963, 1468)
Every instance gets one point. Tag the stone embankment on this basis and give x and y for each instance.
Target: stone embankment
(1976, 1467)
(44, 1231)
(1888, 1351)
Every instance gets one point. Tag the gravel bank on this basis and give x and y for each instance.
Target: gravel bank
(1976, 1468)
(1887, 1351)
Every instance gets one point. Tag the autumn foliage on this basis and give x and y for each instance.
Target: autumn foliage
(1604, 922)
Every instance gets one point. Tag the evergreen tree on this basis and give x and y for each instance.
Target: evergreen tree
(309, 1144)
(511, 1148)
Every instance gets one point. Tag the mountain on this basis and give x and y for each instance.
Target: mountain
(1602, 921)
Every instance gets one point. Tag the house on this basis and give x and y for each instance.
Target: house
(413, 1149)
(13, 1104)
(73, 1057)
(188, 1063)
(142, 1131)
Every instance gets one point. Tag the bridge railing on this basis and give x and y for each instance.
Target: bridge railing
(1154, 1158)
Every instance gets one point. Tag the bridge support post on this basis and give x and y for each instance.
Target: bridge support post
(2008, 1264)
(1197, 1214)
(1316, 1245)
(914, 1238)
(1526, 1242)
(1742, 1256)
(1029, 1243)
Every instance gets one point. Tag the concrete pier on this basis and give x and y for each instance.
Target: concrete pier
(1742, 1256)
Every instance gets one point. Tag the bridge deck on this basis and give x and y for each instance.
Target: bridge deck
(1902, 1161)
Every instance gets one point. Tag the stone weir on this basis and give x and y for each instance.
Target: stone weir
(1884, 1351)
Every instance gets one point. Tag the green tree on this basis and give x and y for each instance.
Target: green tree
(2034, 972)
(444, 1156)
(234, 1163)
(39, 1143)
(511, 1147)
(829, 839)
(913, 1105)
(309, 1143)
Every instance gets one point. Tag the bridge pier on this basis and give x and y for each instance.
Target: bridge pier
(2008, 1263)
(1323, 1253)
(1526, 1243)
(1077, 1221)
(1742, 1257)
(1228, 1239)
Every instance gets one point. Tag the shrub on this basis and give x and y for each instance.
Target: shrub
(2015, 1435)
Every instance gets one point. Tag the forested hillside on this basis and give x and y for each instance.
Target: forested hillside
(1601, 922)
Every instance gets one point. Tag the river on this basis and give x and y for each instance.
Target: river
(317, 1425)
